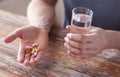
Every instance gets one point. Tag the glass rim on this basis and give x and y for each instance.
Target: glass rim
(91, 12)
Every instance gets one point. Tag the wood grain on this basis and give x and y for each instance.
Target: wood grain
(55, 62)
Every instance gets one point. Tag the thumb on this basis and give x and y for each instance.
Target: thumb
(12, 36)
(77, 30)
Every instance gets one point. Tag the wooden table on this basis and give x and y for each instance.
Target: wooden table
(55, 62)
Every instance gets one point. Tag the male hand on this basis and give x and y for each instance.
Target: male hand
(85, 42)
(29, 35)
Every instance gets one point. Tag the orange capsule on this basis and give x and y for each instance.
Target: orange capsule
(28, 49)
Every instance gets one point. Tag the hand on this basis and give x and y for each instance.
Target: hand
(84, 42)
(29, 35)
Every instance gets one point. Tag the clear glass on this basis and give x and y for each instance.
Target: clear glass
(81, 17)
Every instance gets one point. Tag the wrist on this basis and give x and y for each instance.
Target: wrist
(39, 28)
(43, 27)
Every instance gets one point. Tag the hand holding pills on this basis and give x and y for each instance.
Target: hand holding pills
(33, 42)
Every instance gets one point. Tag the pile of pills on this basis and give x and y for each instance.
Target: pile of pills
(32, 49)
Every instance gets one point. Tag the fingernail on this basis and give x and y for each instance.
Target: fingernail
(68, 27)
(69, 35)
(65, 38)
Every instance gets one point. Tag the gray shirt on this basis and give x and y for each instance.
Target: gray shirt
(106, 12)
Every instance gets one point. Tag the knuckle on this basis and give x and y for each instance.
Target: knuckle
(78, 44)
(82, 37)
(79, 37)
(65, 39)
(75, 50)
(95, 36)
(81, 45)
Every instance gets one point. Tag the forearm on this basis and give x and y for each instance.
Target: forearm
(114, 39)
(41, 13)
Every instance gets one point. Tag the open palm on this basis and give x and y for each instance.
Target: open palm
(29, 35)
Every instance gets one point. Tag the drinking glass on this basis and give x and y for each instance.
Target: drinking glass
(82, 17)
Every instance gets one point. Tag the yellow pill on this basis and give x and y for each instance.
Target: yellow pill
(35, 45)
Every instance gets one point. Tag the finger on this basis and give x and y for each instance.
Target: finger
(32, 62)
(72, 43)
(82, 37)
(21, 54)
(89, 37)
(78, 53)
(72, 49)
(78, 45)
(27, 59)
(37, 59)
(36, 56)
(75, 37)
(12, 36)
(77, 30)
(71, 54)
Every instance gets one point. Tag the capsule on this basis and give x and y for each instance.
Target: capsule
(35, 47)
(35, 54)
(28, 49)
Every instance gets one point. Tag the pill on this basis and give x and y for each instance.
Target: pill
(35, 45)
(35, 54)
(28, 49)
(35, 48)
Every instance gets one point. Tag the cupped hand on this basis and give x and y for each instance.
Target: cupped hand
(29, 35)
(85, 42)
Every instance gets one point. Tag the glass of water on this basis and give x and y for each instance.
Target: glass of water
(81, 17)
